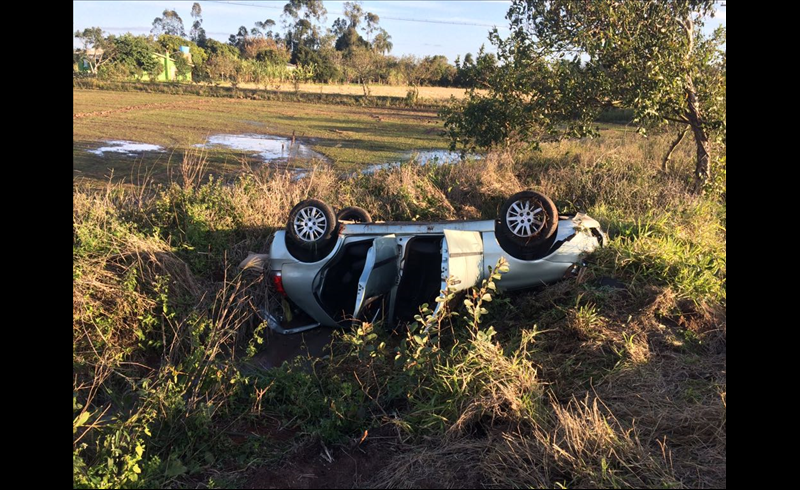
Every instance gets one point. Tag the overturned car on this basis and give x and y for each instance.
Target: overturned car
(331, 269)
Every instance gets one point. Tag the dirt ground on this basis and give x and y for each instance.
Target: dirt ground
(315, 466)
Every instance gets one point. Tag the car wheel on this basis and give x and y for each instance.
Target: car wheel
(527, 225)
(354, 213)
(311, 230)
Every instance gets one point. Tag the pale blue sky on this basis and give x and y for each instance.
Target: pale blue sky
(419, 38)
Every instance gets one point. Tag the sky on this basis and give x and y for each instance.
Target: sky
(450, 28)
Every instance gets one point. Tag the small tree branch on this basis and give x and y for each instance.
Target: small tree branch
(672, 147)
(681, 120)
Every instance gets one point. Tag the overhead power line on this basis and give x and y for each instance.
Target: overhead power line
(403, 19)
(247, 4)
(441, 22)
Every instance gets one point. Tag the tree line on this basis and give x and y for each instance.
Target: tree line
(353, 49)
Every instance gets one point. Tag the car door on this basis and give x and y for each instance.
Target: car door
(462, 259)
(380, 271)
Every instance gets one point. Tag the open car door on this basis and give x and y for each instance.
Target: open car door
(462, 259)
(380, 272)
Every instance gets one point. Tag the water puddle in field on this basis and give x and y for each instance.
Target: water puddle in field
(281, 153)
(268, 148)
(125, 147)
(427, 157)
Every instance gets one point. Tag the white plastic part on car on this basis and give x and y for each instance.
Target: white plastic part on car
(380, 271)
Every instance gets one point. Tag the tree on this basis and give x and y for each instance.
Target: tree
(171, 44)
(182, 65)
(263, 29)
(97, 48)
(382, 42)
(438, 71)
(301, 20)
(266, 50)
(215, 47)
(308, 9)
(565, 61)
(371, 24)
(346, 30)
(136, 55)
(327, 61)
(472, 73)
(169, 23)
(414, 71)
(339, 26)
(362, 63)
(223, 66)
(237, 40)
(350, 39)
(485, 66)
(198, 34)
(353, 12)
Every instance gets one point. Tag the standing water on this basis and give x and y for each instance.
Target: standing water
(269, 148)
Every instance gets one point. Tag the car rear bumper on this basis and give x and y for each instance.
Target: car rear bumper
(285, 328)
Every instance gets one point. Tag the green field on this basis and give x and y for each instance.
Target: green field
(349, 136)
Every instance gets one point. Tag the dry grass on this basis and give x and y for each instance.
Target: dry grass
(580, 445)
(434, 93)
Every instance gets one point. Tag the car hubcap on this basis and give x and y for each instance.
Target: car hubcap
(310, 224)
(525, 218)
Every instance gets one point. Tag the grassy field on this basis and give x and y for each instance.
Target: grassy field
(349, 136)
(615, 378)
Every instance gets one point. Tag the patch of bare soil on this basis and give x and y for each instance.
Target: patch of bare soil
(318, 466)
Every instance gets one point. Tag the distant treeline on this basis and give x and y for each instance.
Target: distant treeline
(354, 49)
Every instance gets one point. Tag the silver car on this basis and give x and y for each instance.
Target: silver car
(329, 269)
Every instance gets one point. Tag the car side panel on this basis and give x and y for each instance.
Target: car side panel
(300, 278)
(578, 240)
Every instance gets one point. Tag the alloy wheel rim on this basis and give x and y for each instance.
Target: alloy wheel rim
(525, 218)
(310, 224)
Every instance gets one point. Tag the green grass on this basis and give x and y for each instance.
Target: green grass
(350, 137)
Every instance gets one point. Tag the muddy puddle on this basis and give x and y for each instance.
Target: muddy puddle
(268, 148)
(426, 157)
(125, 148)
(280, 348)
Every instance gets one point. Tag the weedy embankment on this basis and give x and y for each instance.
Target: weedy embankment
(615, 378)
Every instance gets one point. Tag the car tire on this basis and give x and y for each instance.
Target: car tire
(527, 225)
(354, 213)
(311, 230)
